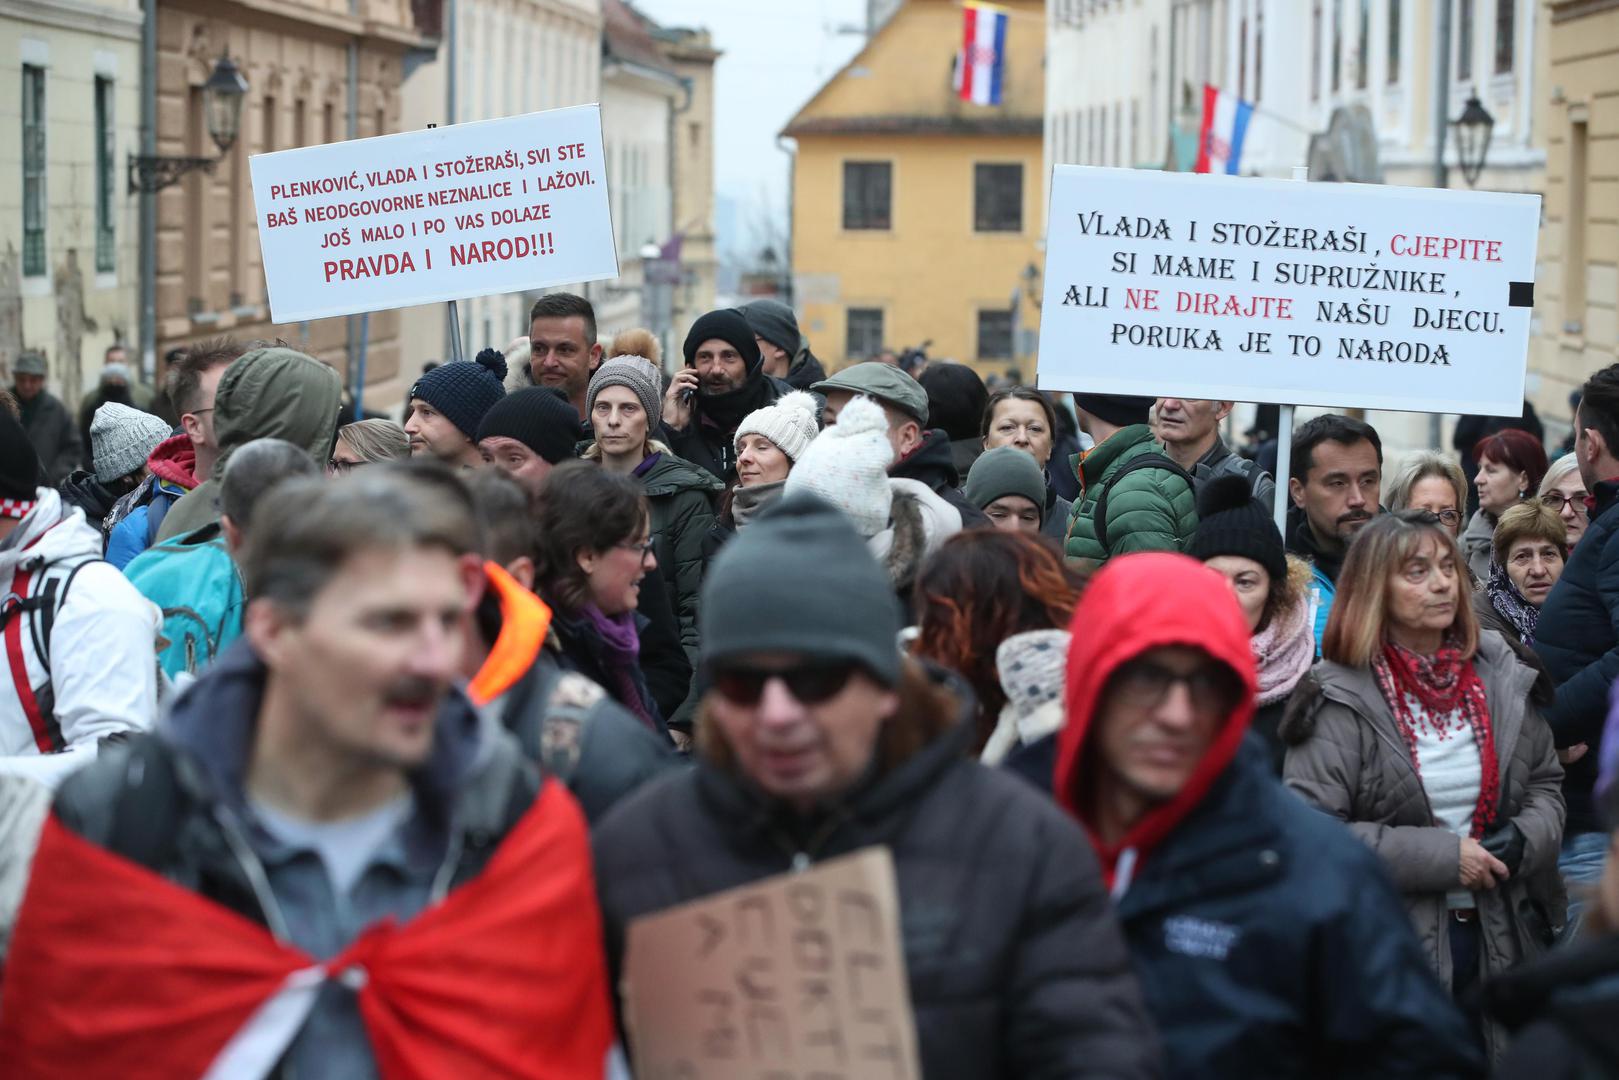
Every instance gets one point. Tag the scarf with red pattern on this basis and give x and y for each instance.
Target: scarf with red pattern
(1451, 694)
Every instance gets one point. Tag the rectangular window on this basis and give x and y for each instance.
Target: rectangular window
(1464, 40)
(1315, 51)
(1337, 44)
(1574, 265)
(1392, 75)
(1363, 46)
(863, 337)
(1506, 22)
(33, 170)
(997, 198)
(995, 335)
(868, 188)
(106, 194)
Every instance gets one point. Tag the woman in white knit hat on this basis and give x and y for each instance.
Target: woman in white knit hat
(903, 521)
(768, 442)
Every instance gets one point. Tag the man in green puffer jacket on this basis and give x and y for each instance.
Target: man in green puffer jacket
(1149, 507)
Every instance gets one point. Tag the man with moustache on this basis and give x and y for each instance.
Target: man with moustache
(1337, 473)
(722, 383)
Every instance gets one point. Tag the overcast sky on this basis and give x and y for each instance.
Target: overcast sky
(776, 54)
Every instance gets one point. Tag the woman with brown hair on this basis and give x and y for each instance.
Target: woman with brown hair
(1422, 734)
(980, 588)
(1531, 545)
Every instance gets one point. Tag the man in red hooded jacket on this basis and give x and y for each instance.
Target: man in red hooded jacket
(1267, 940)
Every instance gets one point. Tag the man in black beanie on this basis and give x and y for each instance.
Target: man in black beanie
(1148, 500)
(723, 381)
(819, 739)
(527, 432)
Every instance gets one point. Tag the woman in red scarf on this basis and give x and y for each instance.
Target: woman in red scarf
(1424, 735)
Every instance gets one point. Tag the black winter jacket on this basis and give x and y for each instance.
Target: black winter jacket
(1562, 1007)
(805, 370)
(581, 648)
(933, 463)
(664, 661)
(1015, 963)
(1577, 639)
(708, 441)
(1270, 944)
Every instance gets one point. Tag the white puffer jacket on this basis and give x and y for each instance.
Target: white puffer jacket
(102, 673)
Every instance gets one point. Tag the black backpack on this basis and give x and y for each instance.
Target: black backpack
(1145, 461)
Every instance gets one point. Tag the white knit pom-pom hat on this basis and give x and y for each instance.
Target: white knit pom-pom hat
(847, 465)
(791, 423)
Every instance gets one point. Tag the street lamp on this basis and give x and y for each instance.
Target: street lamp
(222, 98)
(1473, 130)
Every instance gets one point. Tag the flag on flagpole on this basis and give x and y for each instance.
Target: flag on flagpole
(981, 64)
(1225, 124)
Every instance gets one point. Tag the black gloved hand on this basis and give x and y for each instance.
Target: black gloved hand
(1506, 844)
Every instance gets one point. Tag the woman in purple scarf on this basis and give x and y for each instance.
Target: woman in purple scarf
(593, 550)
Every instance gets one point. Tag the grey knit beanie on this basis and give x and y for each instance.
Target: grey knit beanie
(122, 438)
(836, 602)
(1005, 470)
(640, 376)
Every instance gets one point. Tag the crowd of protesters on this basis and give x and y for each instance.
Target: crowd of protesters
(355, 749)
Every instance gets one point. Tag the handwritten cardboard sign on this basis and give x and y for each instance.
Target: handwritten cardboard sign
(445, 213)
(798, 977)
(1340, 295)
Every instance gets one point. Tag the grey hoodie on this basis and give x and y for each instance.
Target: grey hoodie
(267, 393)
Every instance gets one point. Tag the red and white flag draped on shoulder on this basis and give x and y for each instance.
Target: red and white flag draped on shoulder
(115, 971)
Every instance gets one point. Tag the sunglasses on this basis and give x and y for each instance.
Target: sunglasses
(810, 684)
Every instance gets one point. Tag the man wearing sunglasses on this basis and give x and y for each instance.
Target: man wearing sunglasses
(1267, 939)
(817, 739)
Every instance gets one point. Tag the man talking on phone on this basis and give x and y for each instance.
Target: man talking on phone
(723, 381)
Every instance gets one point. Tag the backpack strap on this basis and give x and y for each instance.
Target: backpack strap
(39, 589)
(1145, 461)
(156, 511)
(47, 736)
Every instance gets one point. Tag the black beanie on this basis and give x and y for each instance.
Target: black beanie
(728, 325)
(836, 603)
(464, 391)
(1119, 410)
(539, 417)
(19, 465)
(1230, 521)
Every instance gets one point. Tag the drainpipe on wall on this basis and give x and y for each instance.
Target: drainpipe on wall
(452, 21)
(1441, 175)
(148, 200)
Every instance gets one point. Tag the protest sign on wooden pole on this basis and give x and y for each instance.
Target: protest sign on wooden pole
(442, 214)
(799, 975)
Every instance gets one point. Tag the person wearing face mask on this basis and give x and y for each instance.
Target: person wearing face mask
(1563, 490)
(1190, 431)
(1235, 536)
(1511, 464)
(722, 383)
(593, 547)
(1022, 417)
(818, 739)
(1425, 736)
(1531, 544)
(768, 443)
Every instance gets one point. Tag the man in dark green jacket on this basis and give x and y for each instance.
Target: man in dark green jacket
(1149, 508)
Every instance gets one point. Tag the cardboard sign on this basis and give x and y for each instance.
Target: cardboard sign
(798, 977)
(443, 214)
(1340, 295)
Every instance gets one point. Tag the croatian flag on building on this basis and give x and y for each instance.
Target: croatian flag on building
(1225, 123)
(983, 54)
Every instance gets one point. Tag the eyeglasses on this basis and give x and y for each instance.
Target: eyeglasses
(1449, 518)
(339, 466)
(1557, 502)
(1144, 684)
(810, 684)
(643, 546)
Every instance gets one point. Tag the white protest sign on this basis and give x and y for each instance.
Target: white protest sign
(446, 213)
(1339, 295)
(801, 975)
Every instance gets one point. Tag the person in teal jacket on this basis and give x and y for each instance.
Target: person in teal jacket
(1150, 507)
(193, 577)
(1337, 473)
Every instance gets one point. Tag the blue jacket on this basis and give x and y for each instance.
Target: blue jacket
(1269, 942)
(1577, 638)
(134, 533)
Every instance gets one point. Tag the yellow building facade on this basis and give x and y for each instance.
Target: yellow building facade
(916, 216)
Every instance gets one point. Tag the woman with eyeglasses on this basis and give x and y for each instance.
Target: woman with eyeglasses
(1531, 544)
(366, 442)
(1424, 735)
(593, 549)
(1433, 482)
(1511, 464)
(1564, 492)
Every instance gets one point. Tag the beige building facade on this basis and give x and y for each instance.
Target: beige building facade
(1577, 292)
(68, 243)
